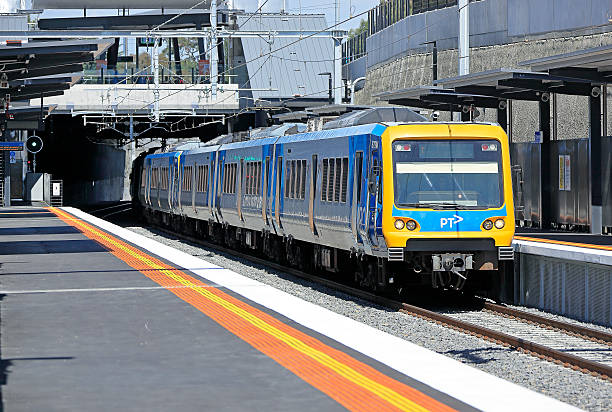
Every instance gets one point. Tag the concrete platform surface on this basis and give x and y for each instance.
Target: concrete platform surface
(95, 317)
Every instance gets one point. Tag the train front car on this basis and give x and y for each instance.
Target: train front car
(448, 213)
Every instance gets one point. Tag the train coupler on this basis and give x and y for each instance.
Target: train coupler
(449, 270)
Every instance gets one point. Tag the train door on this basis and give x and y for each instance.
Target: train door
(194, 181)
(239, 190)
(278, 192)
(264, 192)
(374, 194)
(147, 194)
(219, 188)
(211, 184)
(313, 193)
(174, 193)
(357, 197)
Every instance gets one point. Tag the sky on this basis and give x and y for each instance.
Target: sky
(347, 8)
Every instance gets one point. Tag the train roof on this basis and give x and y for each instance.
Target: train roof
(162, 155)
(375, 129)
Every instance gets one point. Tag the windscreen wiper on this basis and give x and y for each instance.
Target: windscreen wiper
(446, 205)
(439, 206)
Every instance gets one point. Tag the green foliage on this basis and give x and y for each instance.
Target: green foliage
(363, 27)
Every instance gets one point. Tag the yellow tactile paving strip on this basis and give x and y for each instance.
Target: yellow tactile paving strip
(350, 382)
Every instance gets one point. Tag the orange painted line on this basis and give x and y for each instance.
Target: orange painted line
(561, 242)
(350, 382)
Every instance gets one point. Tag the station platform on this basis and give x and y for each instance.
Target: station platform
(96, 317)
(582, 247)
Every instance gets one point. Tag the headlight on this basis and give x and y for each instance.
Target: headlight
(411, 225)
(399, 224)
(488, 225)
(500, 223)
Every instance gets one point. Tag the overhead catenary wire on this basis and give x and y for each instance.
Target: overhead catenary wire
(271, 53)
(205, 52)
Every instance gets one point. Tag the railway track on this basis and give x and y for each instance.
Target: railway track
(540, 336)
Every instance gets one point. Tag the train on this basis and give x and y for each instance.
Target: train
(393, 204)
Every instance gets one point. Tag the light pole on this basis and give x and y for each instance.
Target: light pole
(331, 98)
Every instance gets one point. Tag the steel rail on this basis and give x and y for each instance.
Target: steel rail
(565, 359)
(572, 329)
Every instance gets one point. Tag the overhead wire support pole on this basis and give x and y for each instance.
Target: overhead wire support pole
(214, 56)
(464, 37)
(463, 43)
(155, 64)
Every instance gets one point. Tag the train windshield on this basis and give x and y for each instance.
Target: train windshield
(448, 174)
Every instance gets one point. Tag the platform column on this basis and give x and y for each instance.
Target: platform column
(595, 149)
(546, 165)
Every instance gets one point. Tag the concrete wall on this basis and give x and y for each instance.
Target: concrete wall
(415, 70)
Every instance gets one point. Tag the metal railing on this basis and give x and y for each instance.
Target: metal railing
(135, 76)
(385, 15)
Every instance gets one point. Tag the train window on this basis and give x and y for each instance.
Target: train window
(338, 179)
(247, 179)
(345, 171)
(142, 177)
(224, 178)
(234, 176)
(287, 177)
(185, 183)
(324, 180)
(205, 187)
(294, 178)
(202, 175)
(303, 189)
(252, 178)
(258, 179)
(330, 180)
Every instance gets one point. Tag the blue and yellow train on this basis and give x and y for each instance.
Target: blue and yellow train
(393, 204)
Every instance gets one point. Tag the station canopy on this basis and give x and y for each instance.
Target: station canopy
(144, 20)
(516, 84)
(45, 68)
(593, 64)
(119, 4)
(436, 98)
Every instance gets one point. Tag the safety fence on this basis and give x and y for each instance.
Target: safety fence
(384, 15)
(576, 288)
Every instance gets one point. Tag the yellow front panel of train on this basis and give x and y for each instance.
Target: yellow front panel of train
(447, 181)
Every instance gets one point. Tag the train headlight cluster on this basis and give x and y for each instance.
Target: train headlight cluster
(400, 224)
(499, 223)
(488, 224)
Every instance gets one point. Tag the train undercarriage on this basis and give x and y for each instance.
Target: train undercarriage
(451, 272)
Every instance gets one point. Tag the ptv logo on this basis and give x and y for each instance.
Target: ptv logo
(450, 221)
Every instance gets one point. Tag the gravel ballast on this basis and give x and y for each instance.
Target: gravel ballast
(573, 387)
